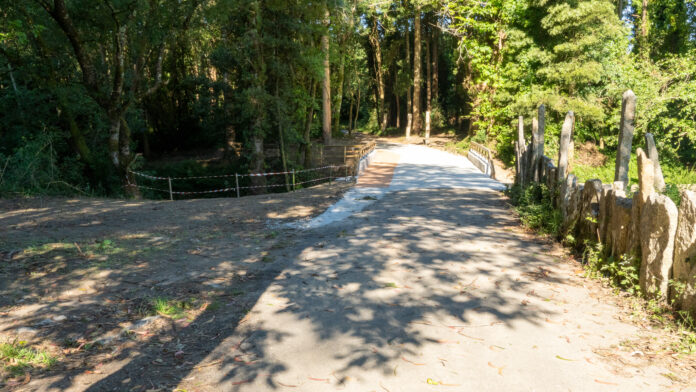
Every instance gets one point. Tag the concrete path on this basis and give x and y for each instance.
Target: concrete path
(425, 284)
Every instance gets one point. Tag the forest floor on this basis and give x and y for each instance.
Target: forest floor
(431, 285)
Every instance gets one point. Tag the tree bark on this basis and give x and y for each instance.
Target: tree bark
(281, 137)
(308, 128)
(379, 74)
(409, 101)
(357, 109)
(326, 85)
(230, 134)
(350, 115)
(417, 78)
(398, 111)
(428, 88)
(339, 93)
(435, 43)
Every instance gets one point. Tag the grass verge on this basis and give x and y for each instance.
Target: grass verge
(17, 358)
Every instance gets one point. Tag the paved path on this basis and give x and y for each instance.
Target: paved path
(424, 284)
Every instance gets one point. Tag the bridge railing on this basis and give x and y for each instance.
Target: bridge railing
(481, 157)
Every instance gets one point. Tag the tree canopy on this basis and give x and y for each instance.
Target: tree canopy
(90, 90)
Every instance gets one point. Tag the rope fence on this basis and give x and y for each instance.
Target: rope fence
(333, 170)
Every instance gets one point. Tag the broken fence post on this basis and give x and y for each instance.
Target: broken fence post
(651, 150)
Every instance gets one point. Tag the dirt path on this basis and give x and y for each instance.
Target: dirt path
(426, 287)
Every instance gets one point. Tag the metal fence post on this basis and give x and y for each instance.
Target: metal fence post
(171, 194)
(236, 182)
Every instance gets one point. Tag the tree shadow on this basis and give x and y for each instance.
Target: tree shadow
(345, 299)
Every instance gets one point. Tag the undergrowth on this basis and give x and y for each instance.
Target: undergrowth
(535, 206)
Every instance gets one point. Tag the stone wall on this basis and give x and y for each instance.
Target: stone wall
(646, 226)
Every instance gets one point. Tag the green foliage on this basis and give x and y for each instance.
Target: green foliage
(170, 308)
(535, 207)
(622, 273)
(16, 357)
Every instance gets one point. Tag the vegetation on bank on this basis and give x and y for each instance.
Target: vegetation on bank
(534, 205)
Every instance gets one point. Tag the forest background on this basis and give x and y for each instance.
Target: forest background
(92, 89)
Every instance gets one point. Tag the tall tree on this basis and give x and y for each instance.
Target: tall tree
(326, 82)
(417, 65)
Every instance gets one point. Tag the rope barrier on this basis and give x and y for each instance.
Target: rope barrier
(363, 151)
(230, 175)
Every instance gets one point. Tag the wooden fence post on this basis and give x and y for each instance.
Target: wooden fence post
(293, 180)
(236, 181)
(171, 194)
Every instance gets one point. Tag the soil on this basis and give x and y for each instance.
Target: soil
(589, 155)
(79, 277)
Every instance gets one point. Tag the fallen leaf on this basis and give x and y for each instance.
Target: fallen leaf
(605, 382)
(565, 359)
(500, 369)
(415, 363)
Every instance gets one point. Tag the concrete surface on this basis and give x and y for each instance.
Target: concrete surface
(427, 284)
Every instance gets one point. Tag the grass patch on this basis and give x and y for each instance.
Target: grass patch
(674, 175)
(459, 147)
(535, 207)
(17, 358)
(171, 308)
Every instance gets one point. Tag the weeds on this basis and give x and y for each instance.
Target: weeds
(535, 207)
(17, 358)
(171, 308)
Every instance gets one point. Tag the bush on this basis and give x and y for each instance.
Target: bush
(534, 204)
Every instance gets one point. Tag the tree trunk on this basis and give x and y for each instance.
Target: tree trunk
(257, 163)
(435, 43)
(350, 115)
(308, 128)
(230, 134)
(357, 109)
(644, 26)
(339, 93)
(409, 102)
(398, 112)
(379, 74)
(417, 78)
(326, 85)
(428, 88)
(281, 137)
